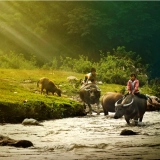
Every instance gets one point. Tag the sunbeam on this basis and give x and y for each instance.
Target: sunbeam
(21, 33)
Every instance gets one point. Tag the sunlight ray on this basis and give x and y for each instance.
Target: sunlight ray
(15, 35)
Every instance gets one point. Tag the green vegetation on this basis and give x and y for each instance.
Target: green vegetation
(59, 39)
(20, 98)
(52, 29)
(113, 68)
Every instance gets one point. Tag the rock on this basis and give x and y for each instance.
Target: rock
(6, 141)
(100, 82)
(72, 79)
(31, 121)
(23, 143)
(128, 132)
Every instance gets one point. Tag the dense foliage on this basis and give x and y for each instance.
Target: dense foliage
(16, 61)
(76, 36)
(113, 68)
(51, 30)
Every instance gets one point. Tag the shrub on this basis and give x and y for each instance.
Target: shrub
(116, 67)
(16, 61)
(52, 65)
(81, 65)
(155, 86)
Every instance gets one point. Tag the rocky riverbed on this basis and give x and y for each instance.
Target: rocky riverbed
(90, 137)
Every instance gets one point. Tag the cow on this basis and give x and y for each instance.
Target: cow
(132, 107)
(155, 98)
(49, 86)
(90, 94)
(108, 101)
(154, 104)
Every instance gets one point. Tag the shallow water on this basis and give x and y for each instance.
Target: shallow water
(89, 137)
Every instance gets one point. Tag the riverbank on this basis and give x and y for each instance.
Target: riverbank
(20, 97)
(16, 112)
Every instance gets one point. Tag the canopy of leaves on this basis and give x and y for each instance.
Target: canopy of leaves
(51, 29)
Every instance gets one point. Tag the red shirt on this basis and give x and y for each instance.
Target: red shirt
(132, 86)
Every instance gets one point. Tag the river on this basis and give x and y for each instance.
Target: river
(94, 137)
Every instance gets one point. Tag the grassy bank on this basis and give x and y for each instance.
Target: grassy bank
(20, 98)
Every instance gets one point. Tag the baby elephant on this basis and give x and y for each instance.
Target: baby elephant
(49, 86)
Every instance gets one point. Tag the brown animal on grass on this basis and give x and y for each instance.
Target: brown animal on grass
(49, 86)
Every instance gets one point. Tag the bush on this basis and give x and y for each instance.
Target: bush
(113, 67)
(155, 86)
(53, 64)
(116, 67)
(16, 61)
(81, 65)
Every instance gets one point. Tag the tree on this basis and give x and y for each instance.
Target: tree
(49, 29)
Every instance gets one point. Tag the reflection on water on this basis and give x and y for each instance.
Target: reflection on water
(89, 137)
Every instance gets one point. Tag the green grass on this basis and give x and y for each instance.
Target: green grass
(20, 85)
(20, 97)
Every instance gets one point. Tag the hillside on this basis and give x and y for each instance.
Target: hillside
(20, 97)
(19, 85)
